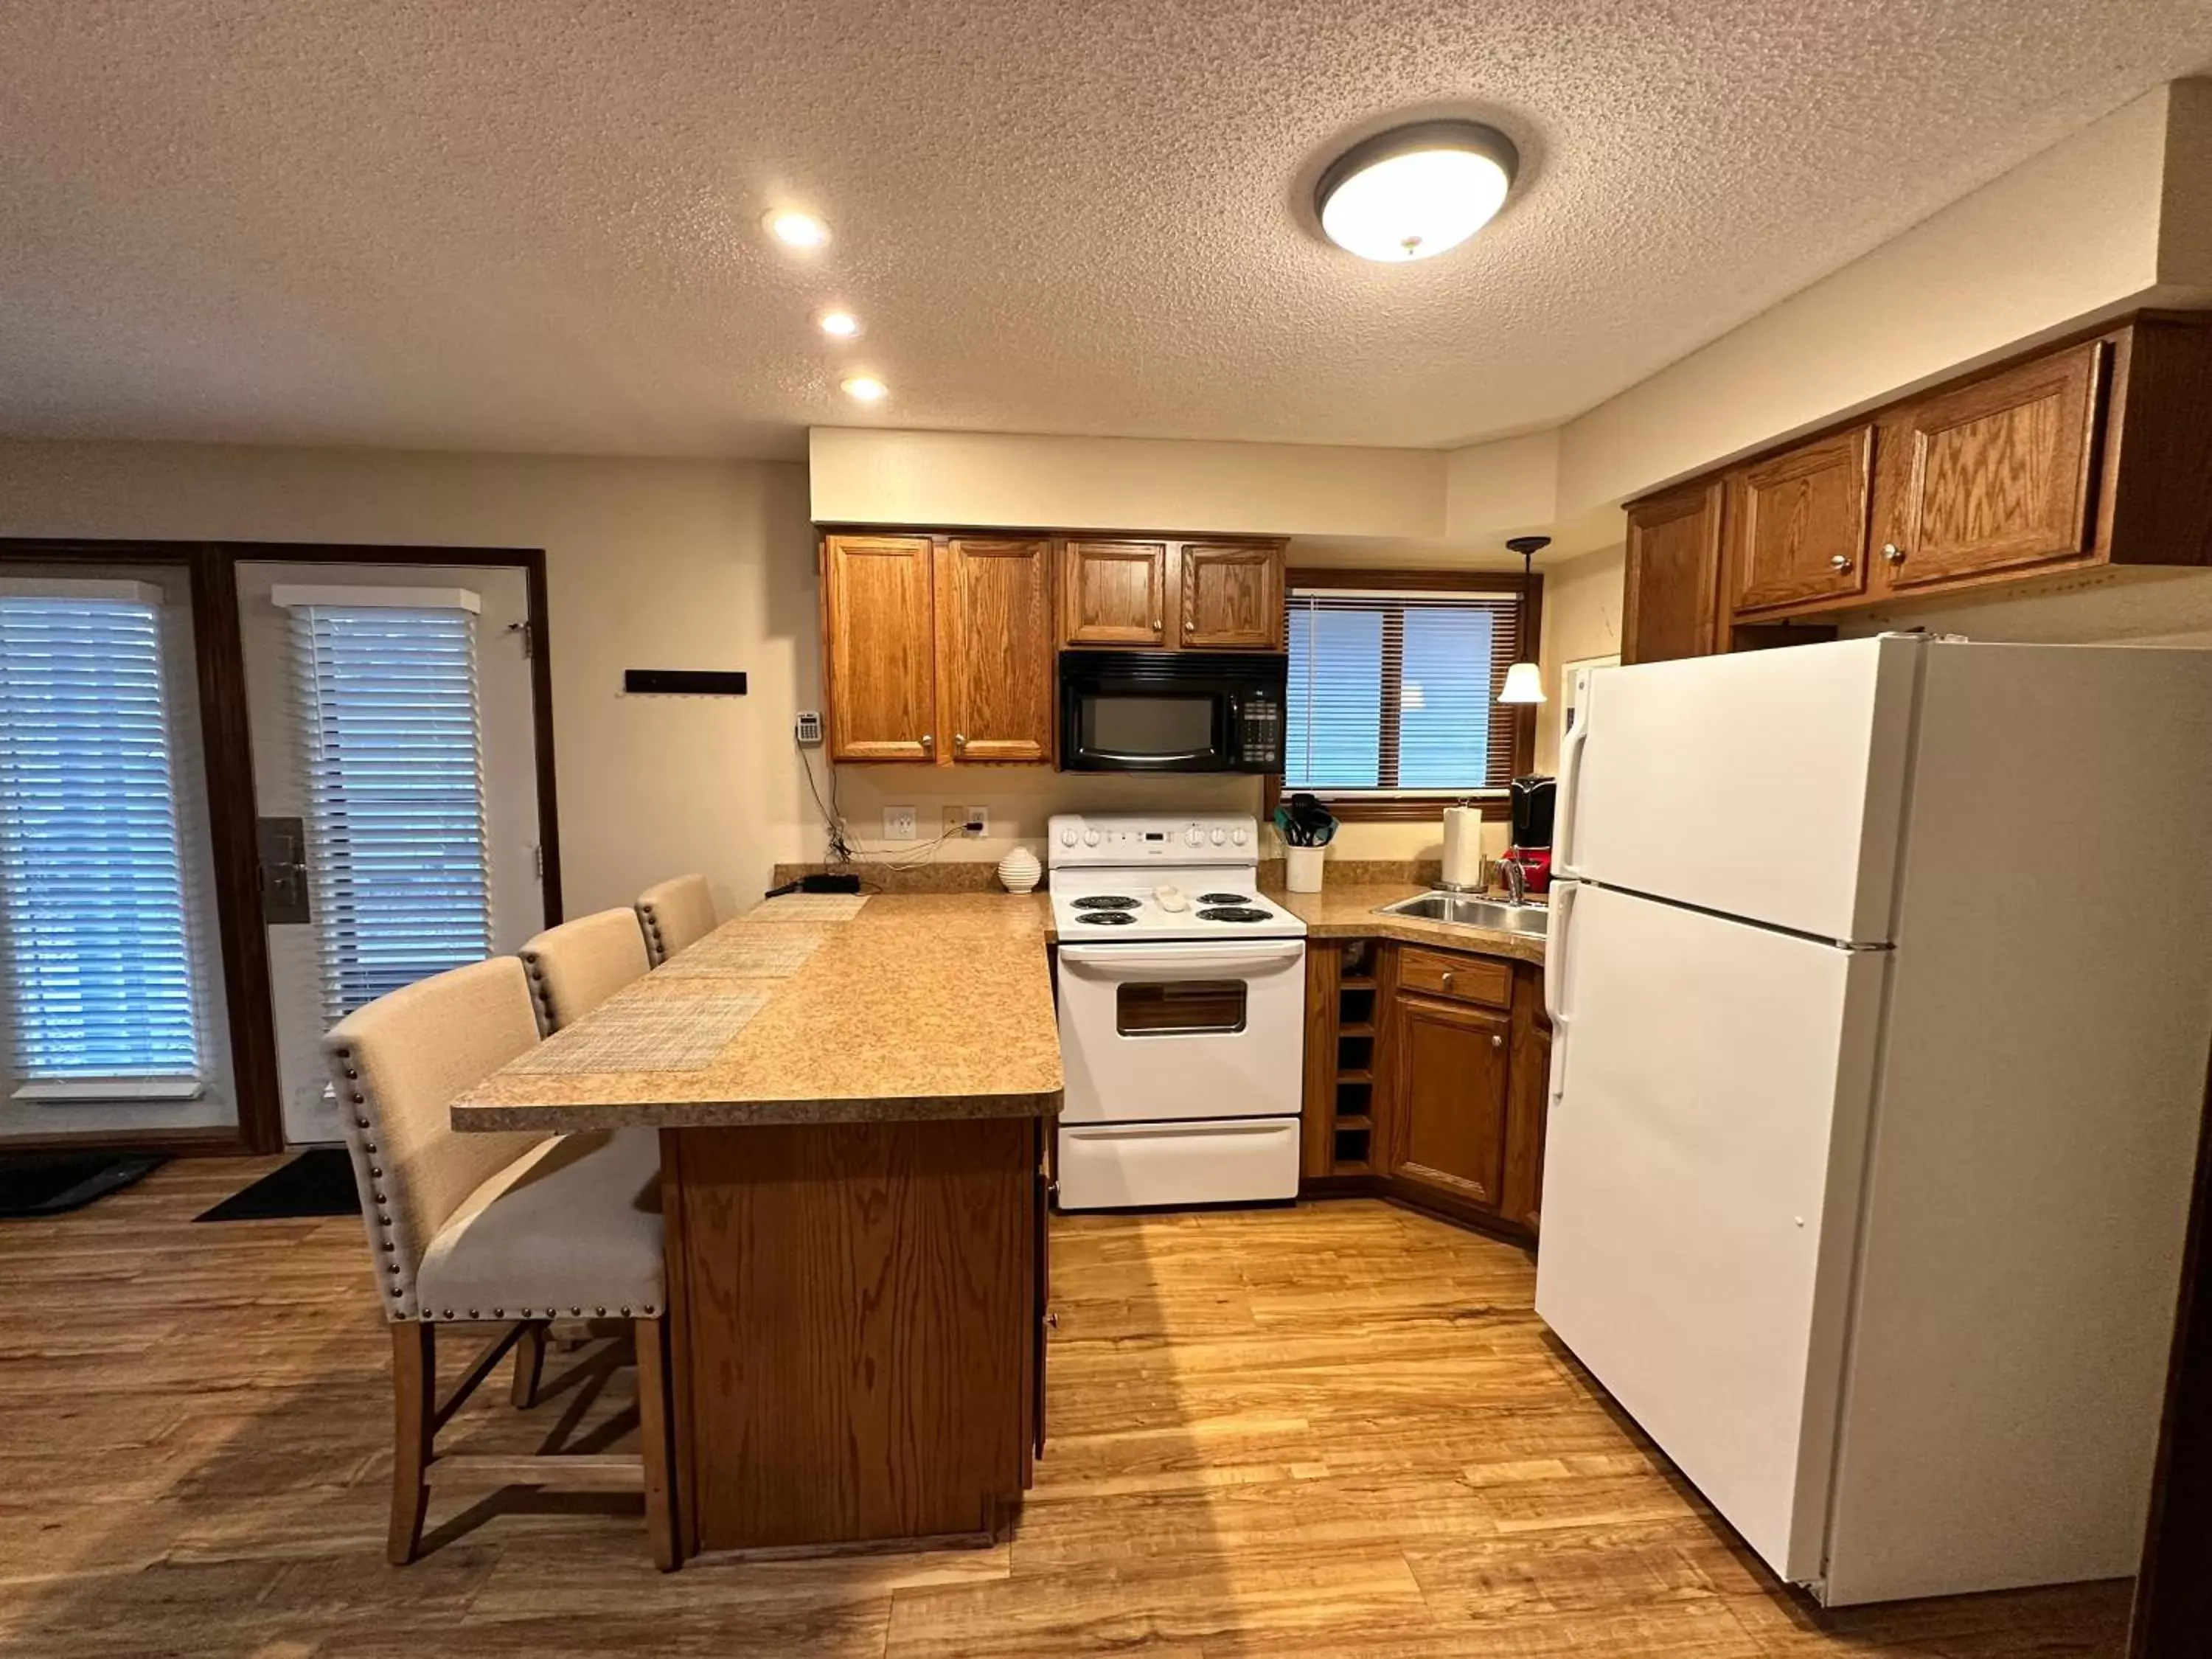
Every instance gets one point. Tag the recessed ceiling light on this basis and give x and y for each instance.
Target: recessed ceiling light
(796, 229)
(842, 324)
(1416, 191)
(867, 388)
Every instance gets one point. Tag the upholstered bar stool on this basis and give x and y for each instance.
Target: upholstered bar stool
(577, 966)
(674, 913)
(516, 1228)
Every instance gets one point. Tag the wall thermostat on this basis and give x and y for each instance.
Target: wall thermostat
(807, 728)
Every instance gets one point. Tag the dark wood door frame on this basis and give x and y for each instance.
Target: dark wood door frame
(227, 756)
(2174, 1591)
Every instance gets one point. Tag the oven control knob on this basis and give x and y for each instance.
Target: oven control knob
(1193, 835)
(1067, 836)
(1240, 836)
(1218, 836)
(1090, 838)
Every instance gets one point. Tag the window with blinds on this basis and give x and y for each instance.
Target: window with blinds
(394, 753)
(102, 993)
(1396, 692)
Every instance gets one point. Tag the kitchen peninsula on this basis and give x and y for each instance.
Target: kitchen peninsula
(854, 1215)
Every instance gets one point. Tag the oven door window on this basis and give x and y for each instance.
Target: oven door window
(1148, 729)
(1186, 1007)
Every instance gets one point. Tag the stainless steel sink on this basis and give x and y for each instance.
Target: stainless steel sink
(1466, 910)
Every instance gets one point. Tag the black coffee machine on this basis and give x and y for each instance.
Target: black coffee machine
(1532, 800)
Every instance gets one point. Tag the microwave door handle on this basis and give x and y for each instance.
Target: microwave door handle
(1148, 760)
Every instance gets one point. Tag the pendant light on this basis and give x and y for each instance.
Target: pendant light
(1524, 681)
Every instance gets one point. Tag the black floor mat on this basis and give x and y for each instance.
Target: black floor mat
(53, 1183)
(319, 1182)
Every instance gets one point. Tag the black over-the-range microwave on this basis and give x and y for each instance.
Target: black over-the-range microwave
(1172, 711)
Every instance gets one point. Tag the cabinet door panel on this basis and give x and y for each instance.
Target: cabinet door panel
(1447, 1117)
(1999, 472)
(997, 647)
(1527, 1101)
(1797, 523)
(879, 628)
(1232, 598)
(1113, 593)
(1674, 576)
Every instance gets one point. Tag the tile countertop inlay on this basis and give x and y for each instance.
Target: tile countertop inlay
(921, 1006)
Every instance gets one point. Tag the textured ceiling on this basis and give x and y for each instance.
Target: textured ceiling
(495, 224)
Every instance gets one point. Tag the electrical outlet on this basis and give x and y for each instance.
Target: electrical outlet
(981, 817)
(958, 819)
(898, 823)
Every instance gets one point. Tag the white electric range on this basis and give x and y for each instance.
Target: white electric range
(1182, 1013)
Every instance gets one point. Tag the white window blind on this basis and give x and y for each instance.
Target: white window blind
(394, 756)
(1395, 693)
(101, 985)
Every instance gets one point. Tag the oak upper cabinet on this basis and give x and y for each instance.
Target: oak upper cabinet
(1171, 595)
(1673, 575)
(1232, 597)
(938, 648)
(880, 622)
(994, 629)
(1113, 593)
(1797, 523)
(1995, 476)
(1450, 1069)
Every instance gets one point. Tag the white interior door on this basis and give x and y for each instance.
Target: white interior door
(1702, 1163)
(333, 958)
(1767, 785)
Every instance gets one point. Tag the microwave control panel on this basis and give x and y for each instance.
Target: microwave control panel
(1260, 730)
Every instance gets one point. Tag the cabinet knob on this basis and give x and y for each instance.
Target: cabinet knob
(1496, 1041)
(1158, 625)
(1839, 561)
(1448, 979)
(928, 741)
(1893, 552)
(959, 739)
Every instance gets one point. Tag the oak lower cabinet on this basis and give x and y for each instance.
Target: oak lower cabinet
(1427, 1078)
(938, 648)
(1445, 1127)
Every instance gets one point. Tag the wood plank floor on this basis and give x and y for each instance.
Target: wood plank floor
(1333, 1430)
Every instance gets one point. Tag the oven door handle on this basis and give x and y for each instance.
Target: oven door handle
(1135, 959)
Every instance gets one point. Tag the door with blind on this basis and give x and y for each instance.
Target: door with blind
(396, 782)
(1393, 693)
(113, 1018)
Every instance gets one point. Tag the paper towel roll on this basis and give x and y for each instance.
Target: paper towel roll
(1462, 847)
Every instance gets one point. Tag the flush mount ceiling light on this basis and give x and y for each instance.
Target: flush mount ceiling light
(843, 324)
(1413, 191)
(796, 229)
(867, 388)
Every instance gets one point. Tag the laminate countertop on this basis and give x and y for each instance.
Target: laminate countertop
(1348, 910)
(920, 1006)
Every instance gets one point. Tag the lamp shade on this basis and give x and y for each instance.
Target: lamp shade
(1524, 682)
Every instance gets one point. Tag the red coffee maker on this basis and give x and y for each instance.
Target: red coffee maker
(1532, 799)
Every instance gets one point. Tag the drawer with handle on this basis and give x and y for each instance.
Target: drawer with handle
(1463, 979)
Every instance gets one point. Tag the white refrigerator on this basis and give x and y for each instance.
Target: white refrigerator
(1880, 982)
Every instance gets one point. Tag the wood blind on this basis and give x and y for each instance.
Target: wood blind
(1396, 692)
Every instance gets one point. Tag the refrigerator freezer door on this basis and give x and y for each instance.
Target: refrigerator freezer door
(1702, 1172)
(1767, 785)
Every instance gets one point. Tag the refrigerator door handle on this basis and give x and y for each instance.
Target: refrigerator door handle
(1557, 955)
(1571, 780)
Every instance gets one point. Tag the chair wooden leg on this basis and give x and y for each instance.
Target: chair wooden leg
(653, 1420)
(414, 1428)
(529, 1364)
